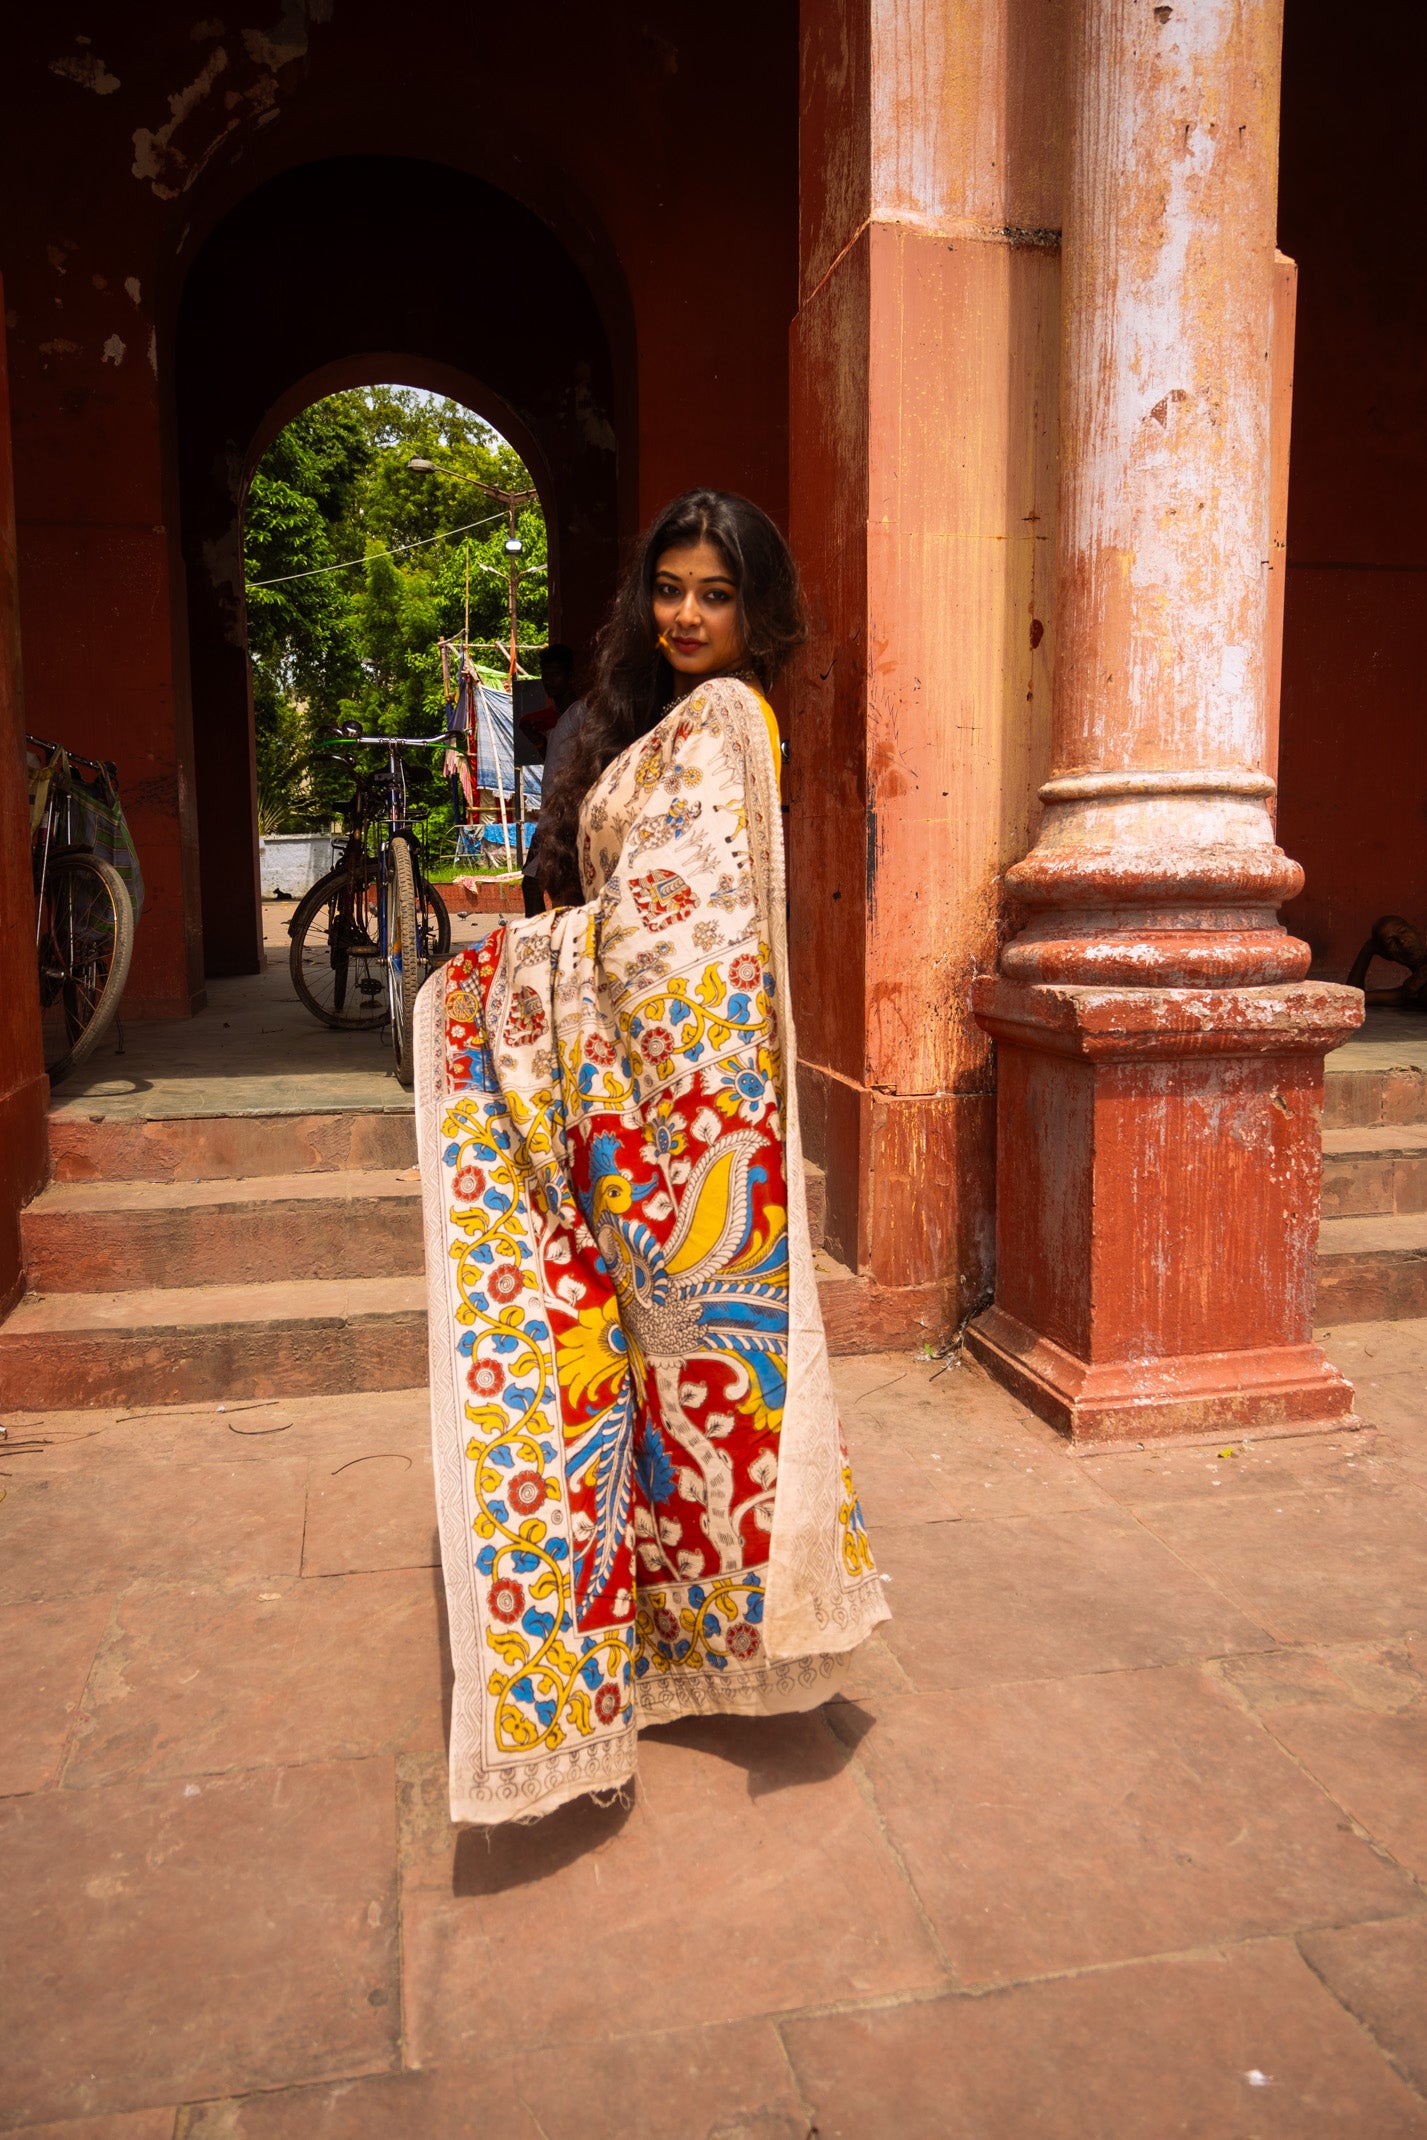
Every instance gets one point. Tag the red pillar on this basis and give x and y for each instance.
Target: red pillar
(1160, 1056)
(24, 1088)
(922, 479)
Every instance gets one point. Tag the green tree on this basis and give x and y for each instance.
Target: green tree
(356, 567)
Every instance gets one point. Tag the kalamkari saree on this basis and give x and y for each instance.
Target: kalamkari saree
(645, 1504)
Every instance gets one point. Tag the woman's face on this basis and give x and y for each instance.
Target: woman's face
(696, 612)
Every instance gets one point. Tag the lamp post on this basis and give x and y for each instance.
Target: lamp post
(512, 501)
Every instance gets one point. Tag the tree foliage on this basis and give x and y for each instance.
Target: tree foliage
(360, 643)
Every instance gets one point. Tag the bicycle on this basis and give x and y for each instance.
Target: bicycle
(366, 935)
(84, 912)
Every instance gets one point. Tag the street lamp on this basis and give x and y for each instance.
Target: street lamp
(512, 501)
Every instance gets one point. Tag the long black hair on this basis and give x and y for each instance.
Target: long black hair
(635, 686)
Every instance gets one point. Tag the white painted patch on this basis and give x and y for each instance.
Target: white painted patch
(1256, 2079)
(114, 350)
(87, 69)
(154, 159)
(132, 286)
(58, 348)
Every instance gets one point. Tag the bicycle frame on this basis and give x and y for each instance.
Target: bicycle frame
(60, 800)
(396, 817)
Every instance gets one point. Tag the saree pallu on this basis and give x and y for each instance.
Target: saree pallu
(645, 1504)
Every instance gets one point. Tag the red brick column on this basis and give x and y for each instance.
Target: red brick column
(1160, 1056)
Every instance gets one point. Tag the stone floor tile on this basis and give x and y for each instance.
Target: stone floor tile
(856, 1376)
(244, 1428)
(44, 1663)
(1219, 2047)
(1055, 1826)
(124, 2125)
(727, 2083)
(1044, 1598)
(748, 1877)
(192, 1681)
(376, 1510)
(1233, 1470)
(1357, 1720)
(81, 1532)
(1379, 1972)
(1345, 1564)
(172, 1941)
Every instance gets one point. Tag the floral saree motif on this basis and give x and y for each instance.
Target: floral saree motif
(645, 1504)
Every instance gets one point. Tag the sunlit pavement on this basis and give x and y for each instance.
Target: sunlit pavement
(1119, 1830)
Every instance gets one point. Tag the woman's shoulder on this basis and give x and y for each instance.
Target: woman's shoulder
(716, 700)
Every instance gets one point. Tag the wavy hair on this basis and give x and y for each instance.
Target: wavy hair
(635, 686)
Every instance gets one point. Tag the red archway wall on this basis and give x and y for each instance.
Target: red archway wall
(332, 259)
(658, 158)
(24, 1090)
(1353, 750)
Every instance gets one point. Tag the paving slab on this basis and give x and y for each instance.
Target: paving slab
(45, 1660)
(1244, 2045)
(1043, 1597)
(728, 2083)
(1378, 1973)
(1069, 1823)
(124, 2125)
(748, 1877)
(373, 1509)
(1357, 1721)
(79, 1533)
(171, 1941)
(197, 1681)
(1340, 1564)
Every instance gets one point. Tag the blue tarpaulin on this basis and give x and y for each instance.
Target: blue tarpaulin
(484, 714)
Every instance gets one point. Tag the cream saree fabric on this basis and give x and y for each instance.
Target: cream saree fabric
(644, 1499)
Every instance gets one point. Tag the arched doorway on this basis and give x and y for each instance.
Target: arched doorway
(351, 272)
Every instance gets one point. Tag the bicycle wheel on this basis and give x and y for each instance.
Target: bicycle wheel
(336, 958)
(406, 969)
(86, 940)
(433, 919)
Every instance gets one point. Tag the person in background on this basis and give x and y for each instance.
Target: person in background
(565, 713)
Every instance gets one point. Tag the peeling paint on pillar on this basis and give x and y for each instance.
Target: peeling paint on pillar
(1160, 1058)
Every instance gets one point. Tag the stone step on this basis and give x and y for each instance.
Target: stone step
(137, 1236)
(1369, 1099)
(74, 1351)
(1372, 1172)
(1372, 1269)
(229, 1147)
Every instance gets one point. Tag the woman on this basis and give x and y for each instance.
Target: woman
(644, 1497)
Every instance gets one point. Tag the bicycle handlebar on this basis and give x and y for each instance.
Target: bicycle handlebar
(405, 742)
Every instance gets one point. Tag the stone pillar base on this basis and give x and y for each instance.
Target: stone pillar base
(1158, 1161)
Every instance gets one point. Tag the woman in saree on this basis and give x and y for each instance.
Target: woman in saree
(645, 1504)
